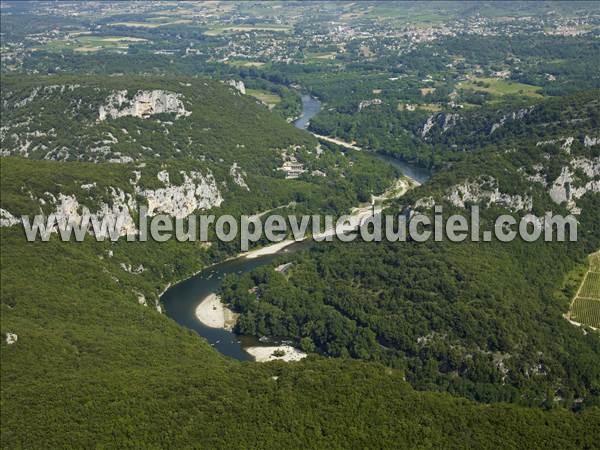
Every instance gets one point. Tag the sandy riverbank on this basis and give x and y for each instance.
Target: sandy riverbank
(212, 313)
(265, 354)
(268, 249)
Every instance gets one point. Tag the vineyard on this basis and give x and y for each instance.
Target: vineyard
(595, 262)
(585, 308)
(586, 311)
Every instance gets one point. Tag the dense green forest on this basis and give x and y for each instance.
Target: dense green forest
(97, 369)
(107, 106)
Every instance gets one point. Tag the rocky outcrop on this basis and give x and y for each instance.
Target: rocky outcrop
(424, 203)
(444, 120)
(515, 115)
(44, 90)
(580, 176)
(449, 121)
(238, 175)
(538, 175)
(143, 104)
(428, 126)
(197, 192)
(590, 167)
(70, 211)
(567, 144)
(132, 270)
(7, 219)
(590, 141)
(567, 188)
(11, 338)
(366, 103)
(485, 191)
(237, 85)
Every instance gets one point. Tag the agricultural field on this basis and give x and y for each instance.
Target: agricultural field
(585, 308)
(591, 286)
(595, 262)
(220, 30)
(90, 43)
(500, 88)
(153, 22)
(268, 98)
(320, 55)
(586, 311)
(242, 63)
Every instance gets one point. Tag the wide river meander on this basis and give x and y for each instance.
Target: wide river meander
(182, 299)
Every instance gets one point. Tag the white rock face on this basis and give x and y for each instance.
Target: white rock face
(550, 141)
(515, 115)
(449, 121)
(133, 270)
(197, 192)
(427, 126)
(567, 144)
(366, 103)
(564, 188)
(590, 141)
(567, 188)
(591, 167)
(238, 175)
(11, 338)
(7, 219)
(538, 176)
(70, 211)
(142, 300)
(144, 104)
(446, 121)
(485, 190)
(424, 203)
(238, 85)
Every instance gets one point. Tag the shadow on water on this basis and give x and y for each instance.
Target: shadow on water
(419, 174)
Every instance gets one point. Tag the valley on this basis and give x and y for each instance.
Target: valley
(195, 109)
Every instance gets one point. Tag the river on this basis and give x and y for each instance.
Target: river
(181, 300)
(310, 108)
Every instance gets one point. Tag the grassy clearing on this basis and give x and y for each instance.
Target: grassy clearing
(264, 96)
(432, 107)
(500, 88)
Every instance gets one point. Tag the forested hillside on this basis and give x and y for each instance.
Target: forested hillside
(479, 319)
(187, 108)
(97, 369)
